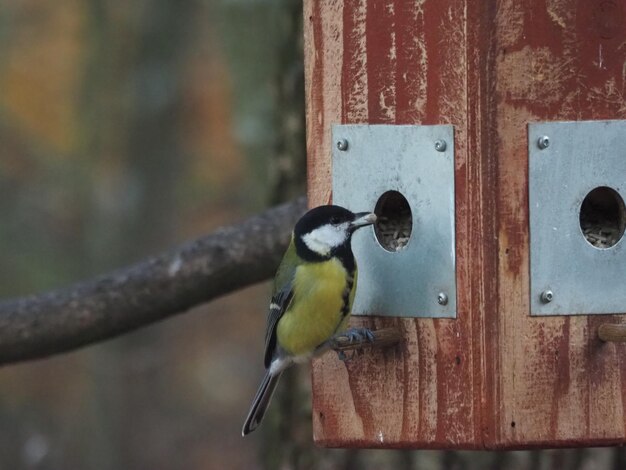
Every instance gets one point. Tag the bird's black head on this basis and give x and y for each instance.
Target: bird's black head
(325, 231)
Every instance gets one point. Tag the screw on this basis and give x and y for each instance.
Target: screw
(440, 145)
(543, 142)
(547, 296)
(442, 298)
(342, 144)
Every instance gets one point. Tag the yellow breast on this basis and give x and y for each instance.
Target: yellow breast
(315, 313)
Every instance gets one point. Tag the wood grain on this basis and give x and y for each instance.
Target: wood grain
(494, 377)
(392, 61)
(555, 383)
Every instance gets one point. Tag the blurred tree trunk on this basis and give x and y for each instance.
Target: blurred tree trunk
(287, 170)
(288, 165)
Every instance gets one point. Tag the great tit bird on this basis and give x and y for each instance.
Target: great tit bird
(312, 297)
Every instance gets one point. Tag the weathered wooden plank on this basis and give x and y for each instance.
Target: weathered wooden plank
(556, 384)
(402, 62)
(323, 87)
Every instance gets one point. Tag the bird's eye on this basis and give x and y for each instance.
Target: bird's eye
(335, 220)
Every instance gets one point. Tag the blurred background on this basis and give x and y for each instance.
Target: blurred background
(126, 128)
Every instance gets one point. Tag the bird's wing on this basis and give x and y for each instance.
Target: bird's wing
(281, 298)
(279, 304)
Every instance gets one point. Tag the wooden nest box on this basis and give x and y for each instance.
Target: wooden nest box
(490, 137)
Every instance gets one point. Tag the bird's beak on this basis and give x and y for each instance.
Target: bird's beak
(362, 219)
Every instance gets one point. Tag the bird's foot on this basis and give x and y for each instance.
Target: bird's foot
(354, 335)
(358, 335)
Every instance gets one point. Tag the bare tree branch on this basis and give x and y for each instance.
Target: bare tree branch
(228, 259)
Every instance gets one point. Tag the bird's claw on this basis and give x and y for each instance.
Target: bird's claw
(359, 335)
(354, 335)
(343, 357)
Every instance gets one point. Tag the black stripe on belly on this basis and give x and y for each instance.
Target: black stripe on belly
(345, 296)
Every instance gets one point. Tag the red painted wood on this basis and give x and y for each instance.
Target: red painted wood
(494, 377)
(554, 60)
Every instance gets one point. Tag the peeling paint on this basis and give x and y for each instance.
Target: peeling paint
(354, 81)
(557, 10)
(544, 82)
(510, 24)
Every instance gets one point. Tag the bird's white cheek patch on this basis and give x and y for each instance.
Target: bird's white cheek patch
(323, 239)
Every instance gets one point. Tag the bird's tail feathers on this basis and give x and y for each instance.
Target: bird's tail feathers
(261, 402)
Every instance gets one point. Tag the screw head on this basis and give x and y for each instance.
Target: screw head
(547, 296)
(543, 142)
(440, 145)
(442, 298)
(342, 144)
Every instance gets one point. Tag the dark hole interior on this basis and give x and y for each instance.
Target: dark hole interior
(602, 217)
(395, 222)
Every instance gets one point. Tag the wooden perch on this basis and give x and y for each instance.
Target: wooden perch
(161, 286)
(612, 332)
(382, 338)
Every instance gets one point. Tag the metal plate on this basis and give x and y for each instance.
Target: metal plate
(380, 158)
(581, 156)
